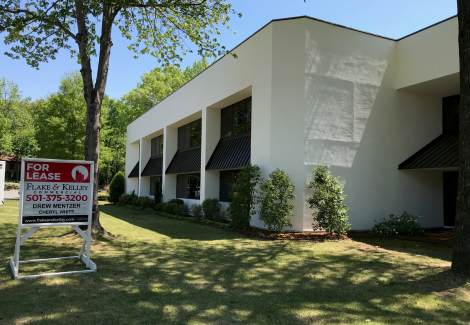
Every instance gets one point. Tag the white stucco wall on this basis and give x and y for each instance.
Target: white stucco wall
(360, 125)
(430, 54)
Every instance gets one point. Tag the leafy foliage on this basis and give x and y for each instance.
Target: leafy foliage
(61, 122)
(276, 192)
(175, 201)
(144, 202)
(18, 135)
(160, 207)
(103, 197)
(244, 195)
(211, 209)
(11, 186)
(164, 29)
(330, 213)
(181, 210)
(116, 188)
(112, 140)
(197, 211)
(170, 208)
(128, 199)
(406, 225)
(156, 85)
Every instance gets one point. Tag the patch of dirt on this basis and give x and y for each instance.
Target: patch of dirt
(440, 236)
(316, 236)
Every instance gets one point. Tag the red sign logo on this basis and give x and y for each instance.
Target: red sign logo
(57, 172)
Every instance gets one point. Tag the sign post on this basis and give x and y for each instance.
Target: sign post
(2, 182)
(55, 193)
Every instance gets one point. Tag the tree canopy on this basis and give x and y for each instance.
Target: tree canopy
(61, 121)
(156, 85)
(39, 29)
(16, 123)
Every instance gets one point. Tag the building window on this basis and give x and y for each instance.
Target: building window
(189, 135)
(157, 147)
(153, 184)
(236, 119)
(188, 186)
(227, 178)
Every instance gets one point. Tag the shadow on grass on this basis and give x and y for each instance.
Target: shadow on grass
(434, 250)
(173, 228)
(174, 281)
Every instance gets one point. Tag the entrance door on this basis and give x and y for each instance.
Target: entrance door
(450, 197)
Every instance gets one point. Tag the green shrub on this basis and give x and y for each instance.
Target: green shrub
(144, 202)
(134, 199)
(276, 192)
(197, 211)
(116, 188)
(170, 208)
(158, 192)
(330, 213)
(211, 209)
(176, 201)
(244, 195)
(12, 186)
(103, 196)
(406, 225)
(127, 199)
(181, 210)
(160, 207)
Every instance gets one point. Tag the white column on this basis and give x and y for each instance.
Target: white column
(170, 145)
(145, 153)
(132, 157)
(210, 137)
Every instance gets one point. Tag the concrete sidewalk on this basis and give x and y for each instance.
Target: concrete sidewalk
(12, 195)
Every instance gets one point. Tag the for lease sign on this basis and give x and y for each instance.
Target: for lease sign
(56, 192)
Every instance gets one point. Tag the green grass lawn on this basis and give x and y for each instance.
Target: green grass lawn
(163, 271)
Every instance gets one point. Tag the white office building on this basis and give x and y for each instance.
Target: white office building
(383, 113)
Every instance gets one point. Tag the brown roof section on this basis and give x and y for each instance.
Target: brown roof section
(6, 158)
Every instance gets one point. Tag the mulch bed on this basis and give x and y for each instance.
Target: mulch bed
(439, 236)
(316, 236)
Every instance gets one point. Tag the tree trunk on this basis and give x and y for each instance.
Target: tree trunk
(17, 168)
(94, 94)
(461, 251)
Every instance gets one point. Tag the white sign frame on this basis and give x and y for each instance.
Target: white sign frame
(15, 260)
(3, 167)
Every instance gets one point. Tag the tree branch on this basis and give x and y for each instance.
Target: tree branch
(43, 19)
(138, 5)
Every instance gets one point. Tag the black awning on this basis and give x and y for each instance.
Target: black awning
(442, 152)
(135, 171)
(153, 167)
(188, 161)
(231, 153)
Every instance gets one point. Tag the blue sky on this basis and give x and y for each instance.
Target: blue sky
(387, 18)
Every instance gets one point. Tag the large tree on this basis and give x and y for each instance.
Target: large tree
(461, 252)
(18, 139)
(61, 121)
(38, 29)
